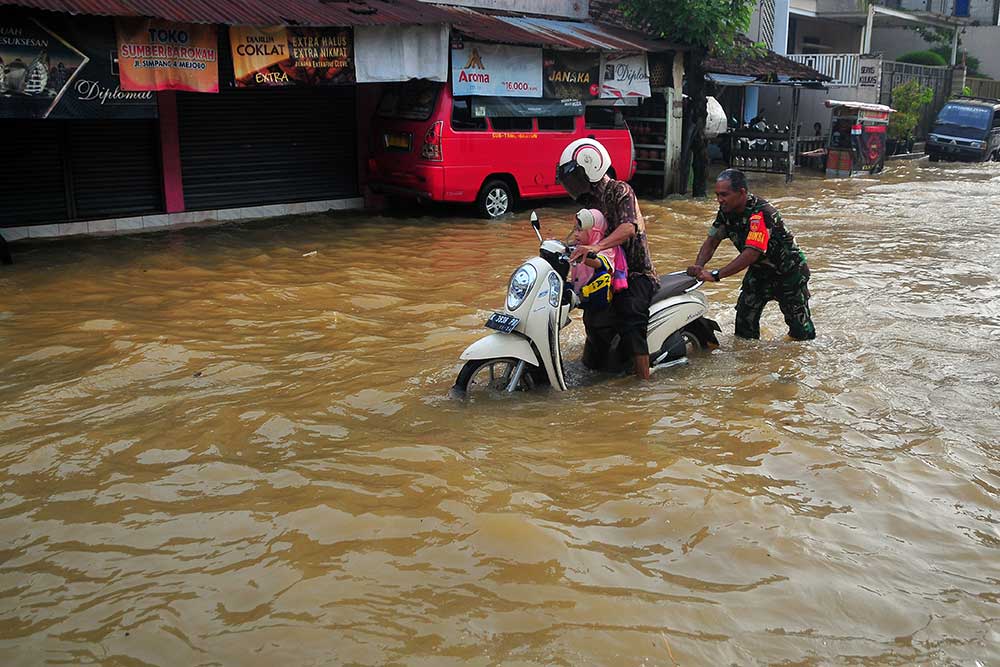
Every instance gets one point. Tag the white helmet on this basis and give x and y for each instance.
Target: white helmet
(589, 154)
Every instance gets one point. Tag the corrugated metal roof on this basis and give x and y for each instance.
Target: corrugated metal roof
(767, 66)
(254, 12)
(548, 32)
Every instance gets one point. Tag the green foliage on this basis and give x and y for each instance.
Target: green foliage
(971, 62)
(908, 99)
(941, 36)
(940, 39)
(705, 24)
(922, 58)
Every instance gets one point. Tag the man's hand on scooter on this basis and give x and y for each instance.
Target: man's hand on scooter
(695, 270)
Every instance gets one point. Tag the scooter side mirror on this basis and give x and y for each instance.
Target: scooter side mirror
(536, 225)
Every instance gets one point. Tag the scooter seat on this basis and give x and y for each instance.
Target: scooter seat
(673, 284)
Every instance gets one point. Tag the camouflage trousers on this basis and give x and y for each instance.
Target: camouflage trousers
(761, 285)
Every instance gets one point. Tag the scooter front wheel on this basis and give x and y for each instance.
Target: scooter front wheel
(493, 376)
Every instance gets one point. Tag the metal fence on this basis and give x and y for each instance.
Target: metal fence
(983, 87)
(895, 74)
(843, 68)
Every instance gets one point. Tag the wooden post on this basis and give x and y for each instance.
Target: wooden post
(794, 138)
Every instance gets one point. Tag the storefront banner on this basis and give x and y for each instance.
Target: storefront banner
(291, 56)
(63, 67)
(624, 76)
(571, 74)
(160, 55)
(399, 53)
(495, 69)
(493, 107)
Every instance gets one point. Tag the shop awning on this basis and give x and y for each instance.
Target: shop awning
(730, 79)
(531, 31)
(253, 12)
(764, 68)
(863, 106)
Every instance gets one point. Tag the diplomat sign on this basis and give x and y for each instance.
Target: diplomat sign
(60, 67)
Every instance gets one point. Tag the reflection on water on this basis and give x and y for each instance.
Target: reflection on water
(235, 446)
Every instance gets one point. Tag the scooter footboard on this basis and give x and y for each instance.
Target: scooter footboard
(500, 345)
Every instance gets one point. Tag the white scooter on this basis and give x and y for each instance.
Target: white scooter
(525, 351)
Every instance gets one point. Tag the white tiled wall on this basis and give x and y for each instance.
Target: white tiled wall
(153, 222)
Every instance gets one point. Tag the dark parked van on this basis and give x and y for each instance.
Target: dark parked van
(966, 128)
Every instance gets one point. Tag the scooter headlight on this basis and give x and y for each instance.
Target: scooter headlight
(555, 290)
(520, 285)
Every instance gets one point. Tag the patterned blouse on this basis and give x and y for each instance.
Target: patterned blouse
(617, 201)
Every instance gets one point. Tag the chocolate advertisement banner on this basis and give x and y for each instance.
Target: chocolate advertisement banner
(160, 55)
(291, 56)
(496, 69)
(571, 75)
(624, 76)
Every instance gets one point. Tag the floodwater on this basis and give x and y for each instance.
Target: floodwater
(235, 446)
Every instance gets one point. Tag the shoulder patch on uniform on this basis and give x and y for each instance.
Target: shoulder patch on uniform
(758, 236)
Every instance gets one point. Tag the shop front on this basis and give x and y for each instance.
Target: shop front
(130, 122)
(75, 146)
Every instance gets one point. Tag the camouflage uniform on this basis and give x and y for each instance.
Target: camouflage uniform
(780, 274)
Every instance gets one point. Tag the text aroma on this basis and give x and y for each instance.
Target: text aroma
(473, 77)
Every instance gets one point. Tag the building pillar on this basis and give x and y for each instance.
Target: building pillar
(780, 40)
(751, 99)
(866, 36)
(954, 47)
(170, 152)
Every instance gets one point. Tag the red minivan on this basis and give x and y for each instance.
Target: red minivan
(429, 145)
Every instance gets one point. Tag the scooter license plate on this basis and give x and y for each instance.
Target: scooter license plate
(502, 323)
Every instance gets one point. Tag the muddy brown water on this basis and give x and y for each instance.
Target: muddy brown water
(219, 449)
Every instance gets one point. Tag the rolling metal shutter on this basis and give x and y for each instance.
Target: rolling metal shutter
(33, 189)
(115, 166)
(59, 171)
(269, 146)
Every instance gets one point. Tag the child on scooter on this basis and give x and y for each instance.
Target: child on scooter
(596, 280)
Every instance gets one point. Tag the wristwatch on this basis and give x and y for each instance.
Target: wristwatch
(715, 275)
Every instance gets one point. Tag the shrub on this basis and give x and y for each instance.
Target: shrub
(922, 58)
(971, 62)
(907, 99)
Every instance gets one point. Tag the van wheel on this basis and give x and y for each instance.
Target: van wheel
(933, 158)
(495, 199)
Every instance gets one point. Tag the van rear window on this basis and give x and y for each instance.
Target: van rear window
(413, 100)
(461, 116)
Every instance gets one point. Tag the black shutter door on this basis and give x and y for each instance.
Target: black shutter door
(33, 186)
(56, 171)
(115, 168)
(269, 146)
